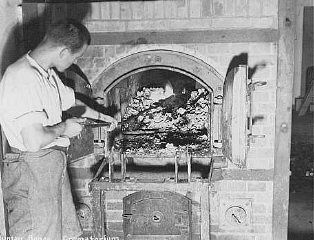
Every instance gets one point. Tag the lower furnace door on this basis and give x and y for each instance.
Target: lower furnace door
(156, 215)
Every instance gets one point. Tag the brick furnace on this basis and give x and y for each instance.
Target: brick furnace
(178, 119)
(194, 84)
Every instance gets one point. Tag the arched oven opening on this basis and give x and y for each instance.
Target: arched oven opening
(164, 114)
(168, 105)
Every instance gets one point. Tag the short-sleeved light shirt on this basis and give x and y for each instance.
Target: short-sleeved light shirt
(28, 95)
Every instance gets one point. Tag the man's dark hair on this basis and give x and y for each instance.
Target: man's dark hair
(69, 33)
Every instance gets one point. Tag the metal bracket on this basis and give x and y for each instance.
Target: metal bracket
(218, 100)
(253, 137)
(252, 86)
(100, 169)
(176, 168)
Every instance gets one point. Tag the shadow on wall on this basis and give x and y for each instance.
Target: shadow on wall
(28, 34)
(242, 59)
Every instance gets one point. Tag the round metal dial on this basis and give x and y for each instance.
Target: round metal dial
(236, 216)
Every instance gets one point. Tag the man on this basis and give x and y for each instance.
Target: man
(32, 98)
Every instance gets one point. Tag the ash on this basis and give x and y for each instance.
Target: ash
(158, 121)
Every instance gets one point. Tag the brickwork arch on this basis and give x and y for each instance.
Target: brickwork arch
(142, 59)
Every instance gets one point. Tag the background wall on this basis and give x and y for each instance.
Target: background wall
(9, 29)
(182, 14)
(299, 58)
(307, 46)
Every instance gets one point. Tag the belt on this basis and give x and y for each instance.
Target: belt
(59, 148)
(15, 153)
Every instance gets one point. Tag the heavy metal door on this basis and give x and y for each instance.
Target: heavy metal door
(236, 122)
(156, 215)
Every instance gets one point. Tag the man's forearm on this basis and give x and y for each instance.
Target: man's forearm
(37, 136)
(91, 113)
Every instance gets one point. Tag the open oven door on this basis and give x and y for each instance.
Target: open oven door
(236, 116)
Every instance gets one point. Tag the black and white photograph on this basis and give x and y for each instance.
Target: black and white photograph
(156, 119)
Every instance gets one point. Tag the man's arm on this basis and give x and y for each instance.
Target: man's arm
(93, 114)
(36, 136)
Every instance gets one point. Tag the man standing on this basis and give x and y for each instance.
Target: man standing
(32, 98)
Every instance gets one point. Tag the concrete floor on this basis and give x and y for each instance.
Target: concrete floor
(301, 214)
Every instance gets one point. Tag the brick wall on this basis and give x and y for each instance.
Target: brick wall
(113, 204)
(114, 211)
(254, 196)
(164, 15)
(81, 172)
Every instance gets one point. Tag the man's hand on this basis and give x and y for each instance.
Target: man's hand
(113, 122)
(73, 127)
(95, 115)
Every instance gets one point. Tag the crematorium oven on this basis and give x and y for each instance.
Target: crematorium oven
(201, 90)
(178, 120)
